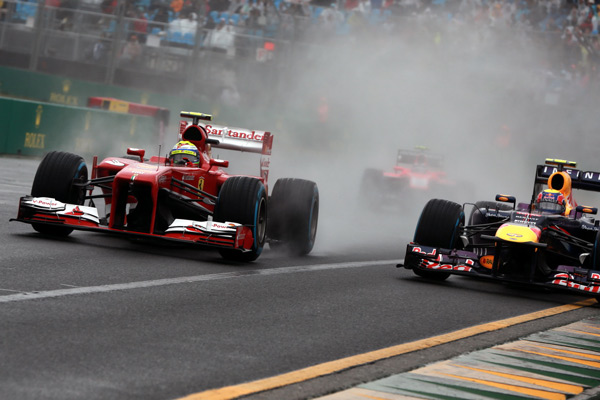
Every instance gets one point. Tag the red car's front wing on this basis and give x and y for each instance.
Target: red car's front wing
(47, 211)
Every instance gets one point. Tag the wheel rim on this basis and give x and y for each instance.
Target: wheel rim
(261, 222)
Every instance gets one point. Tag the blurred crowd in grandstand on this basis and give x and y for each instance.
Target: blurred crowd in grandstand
(567, 28)
(220, 22)
(179, 20)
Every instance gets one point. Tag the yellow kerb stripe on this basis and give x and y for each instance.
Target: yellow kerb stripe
(591, 327)
(583, 332)
(563, 387)
(371, 397)
(575, 353)
(519, 389)
(570, 359)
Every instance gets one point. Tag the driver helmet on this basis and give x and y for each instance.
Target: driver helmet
(185, 153)
(550, 201)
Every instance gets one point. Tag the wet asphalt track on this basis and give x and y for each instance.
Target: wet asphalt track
(117, 319)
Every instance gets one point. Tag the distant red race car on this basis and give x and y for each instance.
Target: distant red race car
(416, 172)
(196, 203)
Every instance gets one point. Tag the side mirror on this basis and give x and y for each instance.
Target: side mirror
(587, 210)
(136, 152)
(219, 163)
(506, 199)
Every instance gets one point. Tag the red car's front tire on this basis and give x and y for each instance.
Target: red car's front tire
(244, 200)
(55, 178)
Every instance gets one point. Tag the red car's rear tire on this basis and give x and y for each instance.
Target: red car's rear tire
(293, 215)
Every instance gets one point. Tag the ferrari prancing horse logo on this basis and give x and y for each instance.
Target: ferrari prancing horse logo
(201, 183)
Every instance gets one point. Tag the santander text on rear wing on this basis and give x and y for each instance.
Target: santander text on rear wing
(229, 138)
(240, 139)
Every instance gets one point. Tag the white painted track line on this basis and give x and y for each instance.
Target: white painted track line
(186, 279)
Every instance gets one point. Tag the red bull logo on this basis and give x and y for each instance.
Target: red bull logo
(487, 261)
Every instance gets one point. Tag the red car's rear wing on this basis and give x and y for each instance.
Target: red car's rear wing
(238, 139)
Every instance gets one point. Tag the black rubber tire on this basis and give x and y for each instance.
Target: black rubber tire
(293, 216)
(54, 178)
(593, 261)
(439, 226)
(243, 200)
(477, 218)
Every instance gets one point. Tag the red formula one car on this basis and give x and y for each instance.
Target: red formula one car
(417, 172)
(550, 242)
(173, 199)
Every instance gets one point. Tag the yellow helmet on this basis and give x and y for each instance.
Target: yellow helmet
(185, 153)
